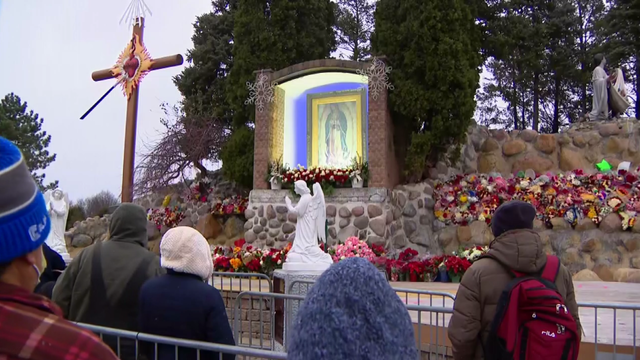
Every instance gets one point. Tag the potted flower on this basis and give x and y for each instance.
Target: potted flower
(274, 175)
(456, 267)
(359, 172)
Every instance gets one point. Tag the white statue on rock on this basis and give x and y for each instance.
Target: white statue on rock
(58, 206)
(305, 254)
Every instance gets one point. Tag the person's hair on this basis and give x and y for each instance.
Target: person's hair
(597, 59)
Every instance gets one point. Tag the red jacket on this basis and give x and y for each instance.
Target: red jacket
(32, 327)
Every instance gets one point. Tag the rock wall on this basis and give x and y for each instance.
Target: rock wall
(218, 230)
(400, 218)
(581, 146)
(252, 317)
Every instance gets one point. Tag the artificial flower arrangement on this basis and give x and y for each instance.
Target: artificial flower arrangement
(235, 205)
(246, 258)
(334, 177)
(359, 171)
(408, 266)
(168, 216)
(571, 196)
(199, 190)
(276, 171)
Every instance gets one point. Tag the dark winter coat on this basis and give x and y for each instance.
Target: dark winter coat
(182, 306)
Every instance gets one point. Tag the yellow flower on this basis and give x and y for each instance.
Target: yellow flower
(463, 198)
(237, 250)
(438, 213)
(236, 263)
(167, 200)
(592, 213)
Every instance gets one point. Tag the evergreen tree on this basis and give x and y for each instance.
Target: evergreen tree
(203, 83)
(274, 35)
(354, 26)
(435, 52)
(24, 128)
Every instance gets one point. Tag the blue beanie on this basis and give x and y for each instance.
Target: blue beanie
(351, 312)
(24, 219)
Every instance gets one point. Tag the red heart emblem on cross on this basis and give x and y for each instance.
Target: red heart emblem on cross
(131, 66)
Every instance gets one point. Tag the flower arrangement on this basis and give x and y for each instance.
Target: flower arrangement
(235, 205)
(352, 247)
(456, 267)
(333, 177)
(359, 171)
(408, 266)
(572, 196)
(474, 253)
(276, 171)
(246, 258)
(169, 216)
(199, 190)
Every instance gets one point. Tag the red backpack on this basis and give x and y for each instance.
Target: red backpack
(532, 321)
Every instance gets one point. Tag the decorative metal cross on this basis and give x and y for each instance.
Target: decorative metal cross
(133, 64)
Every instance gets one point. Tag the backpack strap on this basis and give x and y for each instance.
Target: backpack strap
(551, 268)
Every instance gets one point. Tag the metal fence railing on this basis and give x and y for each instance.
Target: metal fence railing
(227, 281)
(607, 327)
(152, 347)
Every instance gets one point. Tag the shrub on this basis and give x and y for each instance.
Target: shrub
(76, 213)
(99, 204)
(237, 157)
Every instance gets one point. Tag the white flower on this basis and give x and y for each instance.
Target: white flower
(279, 262)
(261, 263)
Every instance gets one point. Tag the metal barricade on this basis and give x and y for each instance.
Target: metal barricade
(612, 328)
(430, 327)
(253, 310)
(425, 297)
(238, 282)
(149, 344)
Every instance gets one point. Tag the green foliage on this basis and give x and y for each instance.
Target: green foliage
(274, 35)
(76, 213)
(24, 128)
(434, 48)
(237, 157)
(203, 83)
(354, 25)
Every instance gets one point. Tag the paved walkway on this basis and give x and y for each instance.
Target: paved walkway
(607, 324)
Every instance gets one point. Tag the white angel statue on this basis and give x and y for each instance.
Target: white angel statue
(58, 206)
(305, 254)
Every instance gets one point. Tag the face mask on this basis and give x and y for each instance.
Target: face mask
(44, 265)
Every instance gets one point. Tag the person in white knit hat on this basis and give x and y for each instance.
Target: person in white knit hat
(181, 304)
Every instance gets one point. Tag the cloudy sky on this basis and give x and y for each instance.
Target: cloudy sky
(50, 48)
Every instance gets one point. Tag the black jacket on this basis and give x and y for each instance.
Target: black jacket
(55, 266)
(183, 306)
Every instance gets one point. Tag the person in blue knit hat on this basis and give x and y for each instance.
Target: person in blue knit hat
(32, 326)
(351, 312)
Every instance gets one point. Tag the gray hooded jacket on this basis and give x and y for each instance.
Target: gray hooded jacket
(120, 257)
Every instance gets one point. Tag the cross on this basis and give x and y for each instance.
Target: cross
(132, 109)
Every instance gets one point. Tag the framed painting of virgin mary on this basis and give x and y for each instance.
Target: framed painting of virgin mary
(336, 128)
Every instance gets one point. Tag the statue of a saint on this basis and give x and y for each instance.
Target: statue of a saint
(601, 82)
(337, 153)
(305, 254)
(58, 206)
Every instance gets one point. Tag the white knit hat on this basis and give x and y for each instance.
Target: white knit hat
(184, 249)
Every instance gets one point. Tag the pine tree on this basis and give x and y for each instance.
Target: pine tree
(435, 51)
(203, 83)
(354, 26)
(24, 128)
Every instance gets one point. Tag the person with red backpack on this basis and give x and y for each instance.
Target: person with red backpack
(515, 302)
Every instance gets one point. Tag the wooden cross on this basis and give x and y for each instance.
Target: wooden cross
(132, 112)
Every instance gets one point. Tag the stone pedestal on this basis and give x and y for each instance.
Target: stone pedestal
(291, 283)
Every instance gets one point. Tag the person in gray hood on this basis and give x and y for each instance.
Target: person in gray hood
(351, 312)
(101, 286)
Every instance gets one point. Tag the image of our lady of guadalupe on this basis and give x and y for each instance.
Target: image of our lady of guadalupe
(337, 152)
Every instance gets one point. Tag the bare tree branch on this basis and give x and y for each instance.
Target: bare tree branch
(185, 144)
